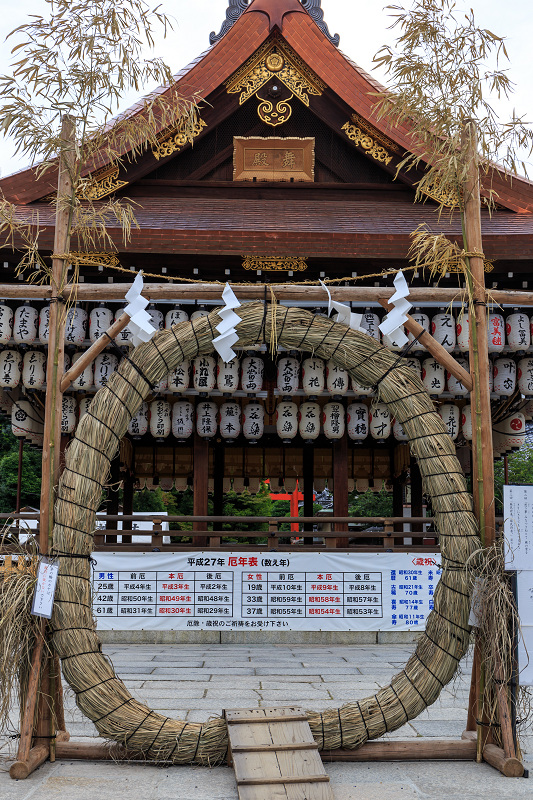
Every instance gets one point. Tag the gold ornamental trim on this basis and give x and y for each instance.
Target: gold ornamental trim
(171, 141)
(275, 263)
(275, 59)
(378, 136)
(274, 116)
(273, 158)
(101, 183)
(448, 196)
(363, 139)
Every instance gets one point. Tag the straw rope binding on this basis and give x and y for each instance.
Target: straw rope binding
(101, 695)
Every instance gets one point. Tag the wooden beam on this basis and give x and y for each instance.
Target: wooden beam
(340, 487)
(409, 750)
(93, 351)
(200, 487)
(495, 756)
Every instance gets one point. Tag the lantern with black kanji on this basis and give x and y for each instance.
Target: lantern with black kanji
(337, 379)
(252, 372)
(100, 320)
(10, 368)
(206, 419)
(361, 391)
(450, 415)
(422, 320)
(84, 404)
(175, 316)
(76, 326)
(157, 318)
(85, 379)
(228, 376)
(504, 377)
(104, 366)
(455, 387)
(68, 415)
(288, 375)
(160, 420)
(44, 325)
(380, 422)
(525, 376)
(357, 418)
(370, 324)
(433, 376)
(182, 420)
(34, 370)
(6, 323)
(518, 332)
(178, 379)
(313, 382)
(25, 324)
(204, 374)
(200, 312)
(287, 421)
(309, 421)
(230, 421)
(334, 421)
(443, 330)
(125, 337)
(253, 421)
(138, 426)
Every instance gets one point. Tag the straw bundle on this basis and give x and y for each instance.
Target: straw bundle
(101, 695)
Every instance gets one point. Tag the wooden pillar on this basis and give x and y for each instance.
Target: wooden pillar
(19, 477)
(200, 487)
(417, 500)
(340, 486)
(309, 478)
(218, 488)
(112, 503)
(397, 501)
(127, 504)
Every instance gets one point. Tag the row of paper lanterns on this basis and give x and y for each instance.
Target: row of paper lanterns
(315, 376)
(27, 325)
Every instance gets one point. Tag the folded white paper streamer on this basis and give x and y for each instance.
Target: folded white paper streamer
(140, 323)
(345, 313)
(393, 323)
(223, 344)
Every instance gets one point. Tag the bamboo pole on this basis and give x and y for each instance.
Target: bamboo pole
(170, 292)
(93, 351)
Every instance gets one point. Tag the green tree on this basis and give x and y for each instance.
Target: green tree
(248, 505)
(31, 479)
(520, 473)
(371, 504)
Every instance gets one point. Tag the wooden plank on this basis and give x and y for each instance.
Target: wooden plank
(249, 716)
(259, 748)
(268, 766)
(268, 734)
(295, 791)
(284, 780)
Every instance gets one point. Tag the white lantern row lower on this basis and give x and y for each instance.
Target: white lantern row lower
(162, 385)
(104, 366)
(138, 426)
(228, 376)
(76, 326)
(6, 323)
(517, 329)
(175, 316)
(433, 376)
(100, 320)
(313, 376)
(125, 336)
(178, 380)
(337, 379)
(83, 408)
(462, 327)
(509, 434)
(287, 421)
(85, 379)
(230, 421)
(496, 333)
(466, 423)
(157, 318)
(206, 420)
(252, 372)
(34, 370)
(288, 380)
(160, 419)
(504, 377)
(22, 418)
(333, 420)
(360, 390)
(455, 386)
(357, 418)
(26, 324)
(309, 421)
(201, 312)
(380, 421)
(415, 364)
(398, 431)
(422, 320)
(450, 415)
(370, 324)
(10, 368)
(525, 376)
(182, 420)
(68, 415)
(443, 330)
(253, 422)
(204, 374)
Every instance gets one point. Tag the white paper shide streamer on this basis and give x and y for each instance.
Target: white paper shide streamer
(140, 323)
(223, 344)
(393, 323)
(343, 311)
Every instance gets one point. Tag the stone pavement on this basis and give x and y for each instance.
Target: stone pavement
(193, 682)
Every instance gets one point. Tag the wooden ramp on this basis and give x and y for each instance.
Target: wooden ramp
(275, 756)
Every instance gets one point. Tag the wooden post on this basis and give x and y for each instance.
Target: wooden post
(93, 351)
(218, 489)
(19, 477)
(308, 476)
(340, 486)
(127, 505)
(200, 487)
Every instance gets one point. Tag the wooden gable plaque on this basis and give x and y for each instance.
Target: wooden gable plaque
(273, 159)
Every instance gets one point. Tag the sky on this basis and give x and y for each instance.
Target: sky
(362, 25)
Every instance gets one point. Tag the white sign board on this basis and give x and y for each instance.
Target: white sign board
(289, 591)
(43, 598)
(518, 526)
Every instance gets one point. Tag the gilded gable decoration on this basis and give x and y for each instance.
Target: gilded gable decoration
(274, 116)
(101, 183)
(275, 263)
(362, 138)
(273, 158)
(170, 141)
(447, 195)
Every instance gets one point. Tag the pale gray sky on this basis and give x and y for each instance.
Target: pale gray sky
(362, 25)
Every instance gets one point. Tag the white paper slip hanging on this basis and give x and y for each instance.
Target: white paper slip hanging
(43, 598)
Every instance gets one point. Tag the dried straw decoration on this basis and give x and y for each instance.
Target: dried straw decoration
(101, 695)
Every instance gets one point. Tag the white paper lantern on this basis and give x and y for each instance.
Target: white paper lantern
(26, 324)
(496, 333)
(182, 420)
(288, 380)
(253, 422)
(204, 374)
(337, 379)
(10, 368)
(201, 312)
(518, 331)
(510, 433)
(287, 420)
(462, 328)
(415, 364)
(160, 419)
(228, 376)
(76, 326)
(230, 420)
(206, 420)
(309, 421)
(525, 376)
(104, 366)
(334, 421)
(6, 323)
(504, 377)
(433, 376)
(443, 330)
(313, 381)
(361, 391)
(34, 370)
(398, 432)
(422, 320)
(125, 336)
(100, 320)
(85, 379)
(455, 387)
(68, 415)
(138, 426)
(44, 325)
(391, 343)
(178, 380)
(380, 421)
(83, 407)
(175, 316)
(157, 318)
(466, 423)
(358, 422)
(162, 385)
(370, 324)
(450, 415)
(253, 369)
(22, 418)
